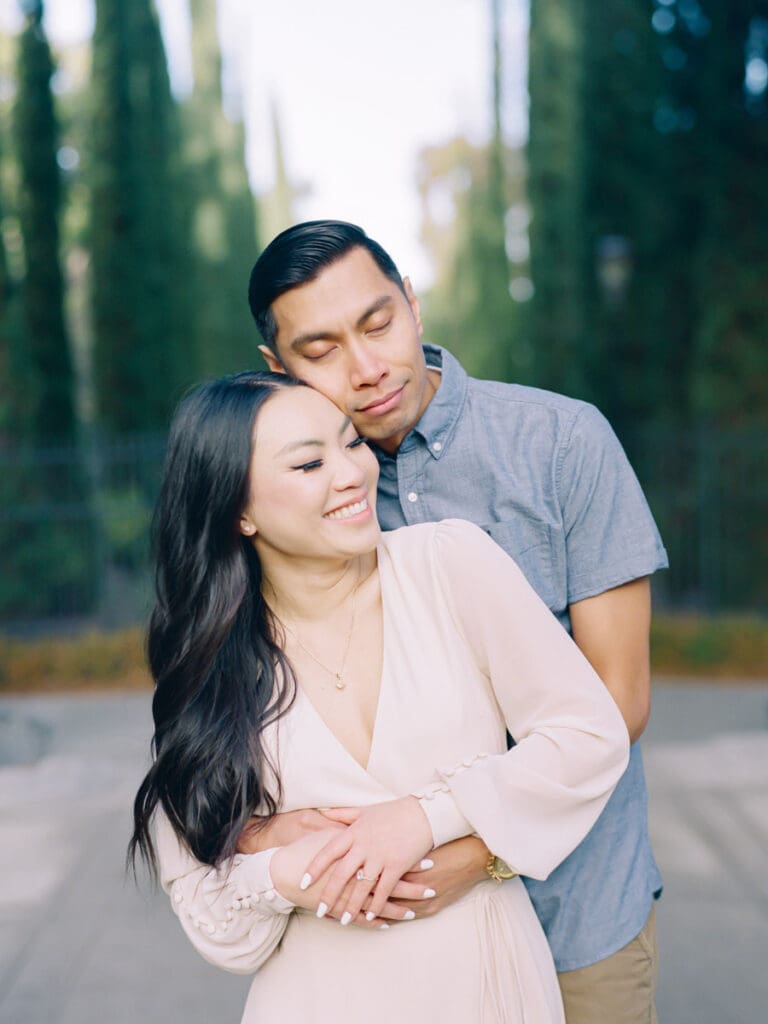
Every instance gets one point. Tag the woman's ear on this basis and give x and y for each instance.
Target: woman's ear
(247, 527)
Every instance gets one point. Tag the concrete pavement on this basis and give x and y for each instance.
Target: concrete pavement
(79, 943)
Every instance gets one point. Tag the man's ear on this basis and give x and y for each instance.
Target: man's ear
(271, 359)
(413, 302)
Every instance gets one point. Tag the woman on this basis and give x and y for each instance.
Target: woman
(302, 659)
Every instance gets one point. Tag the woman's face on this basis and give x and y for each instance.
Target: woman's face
(312, 481)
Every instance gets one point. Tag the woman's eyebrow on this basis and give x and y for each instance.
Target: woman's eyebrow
(311, 442)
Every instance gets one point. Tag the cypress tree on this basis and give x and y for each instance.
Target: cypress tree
(555, 192)
(730, 380)
(46, 369)
(138, 249)
(224, 209)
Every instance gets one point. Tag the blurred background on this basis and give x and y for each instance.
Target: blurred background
(578, 193)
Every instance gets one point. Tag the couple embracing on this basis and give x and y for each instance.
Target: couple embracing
(386, 779)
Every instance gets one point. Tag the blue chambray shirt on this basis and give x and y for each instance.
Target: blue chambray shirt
(546, 477)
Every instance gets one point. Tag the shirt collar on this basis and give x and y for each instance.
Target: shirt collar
(436, 426)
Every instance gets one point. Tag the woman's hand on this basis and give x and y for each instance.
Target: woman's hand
(288, 862)
(383, 842)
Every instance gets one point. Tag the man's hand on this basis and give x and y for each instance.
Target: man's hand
(458, 866)
(282, 830)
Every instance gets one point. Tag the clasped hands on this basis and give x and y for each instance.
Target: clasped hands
(366, 865)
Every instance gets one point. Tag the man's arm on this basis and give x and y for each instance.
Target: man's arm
(612, 629)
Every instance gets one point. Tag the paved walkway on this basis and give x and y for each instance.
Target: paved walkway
(79, 944)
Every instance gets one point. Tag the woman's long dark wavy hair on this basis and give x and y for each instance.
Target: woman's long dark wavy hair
(220, 676)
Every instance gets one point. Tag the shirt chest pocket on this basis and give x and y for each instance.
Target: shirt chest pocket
(536, 548)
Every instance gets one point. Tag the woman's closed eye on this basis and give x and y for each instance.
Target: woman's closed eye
(307, 467)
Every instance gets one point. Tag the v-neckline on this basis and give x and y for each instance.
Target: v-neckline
(382, 678)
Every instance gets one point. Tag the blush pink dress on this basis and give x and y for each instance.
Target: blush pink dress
(469, 652)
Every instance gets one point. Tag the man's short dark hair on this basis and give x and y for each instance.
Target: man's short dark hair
(297, 255)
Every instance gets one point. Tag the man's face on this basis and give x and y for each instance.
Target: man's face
(354, 336)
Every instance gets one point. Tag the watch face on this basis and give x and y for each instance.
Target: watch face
(502, 869)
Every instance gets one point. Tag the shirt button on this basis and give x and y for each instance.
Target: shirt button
(437, 447)
(413, 496)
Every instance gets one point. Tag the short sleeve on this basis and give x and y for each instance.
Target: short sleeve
(610, 535)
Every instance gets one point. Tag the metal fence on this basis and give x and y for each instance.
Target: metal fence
(74, 526)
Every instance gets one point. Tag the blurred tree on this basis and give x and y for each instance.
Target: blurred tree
(43, 372)
(10, 341)
(276, 207)
(647, 158)
(636, 326)
(555, 189)
(730, 380)
(224, 209)
(469, 309)
(138, 239)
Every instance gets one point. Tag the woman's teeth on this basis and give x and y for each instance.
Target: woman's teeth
(348, 510)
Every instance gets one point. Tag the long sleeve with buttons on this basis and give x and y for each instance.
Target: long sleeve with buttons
(533, 804)
(234, 917)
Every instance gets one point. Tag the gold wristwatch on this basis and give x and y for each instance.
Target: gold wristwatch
(498, 869)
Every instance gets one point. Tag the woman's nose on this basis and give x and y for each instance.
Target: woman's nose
(349, 472)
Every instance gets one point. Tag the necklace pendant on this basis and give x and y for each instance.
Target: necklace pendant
(340, 684)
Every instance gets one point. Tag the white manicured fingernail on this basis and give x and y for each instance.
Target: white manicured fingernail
(409, 915)
(382, 927)
(370, 915)
(305, 882)
(426, 864)
(346, 917)
(428, 893)
(322, 910)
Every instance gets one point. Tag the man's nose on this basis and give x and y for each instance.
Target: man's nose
(367, 368)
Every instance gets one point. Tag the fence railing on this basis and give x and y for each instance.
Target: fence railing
(74, 525)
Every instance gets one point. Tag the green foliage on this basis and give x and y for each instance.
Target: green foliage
(47, 534)
(714, 646)
(730, 364)
(138, 240)
(647, 161)
(91, 661)
(556, 317)
(40, 365)
(223, 211)
(469, 309)
(125, 515)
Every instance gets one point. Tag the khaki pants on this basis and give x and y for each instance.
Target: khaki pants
(618, 990)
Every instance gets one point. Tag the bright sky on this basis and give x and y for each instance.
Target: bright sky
(360, 89)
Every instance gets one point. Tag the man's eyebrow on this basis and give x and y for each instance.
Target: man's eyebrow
(310, 442)
(374, 308)
(308, 336)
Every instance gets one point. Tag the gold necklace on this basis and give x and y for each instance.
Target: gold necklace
(339, 684)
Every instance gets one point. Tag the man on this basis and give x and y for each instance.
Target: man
(545, 476)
